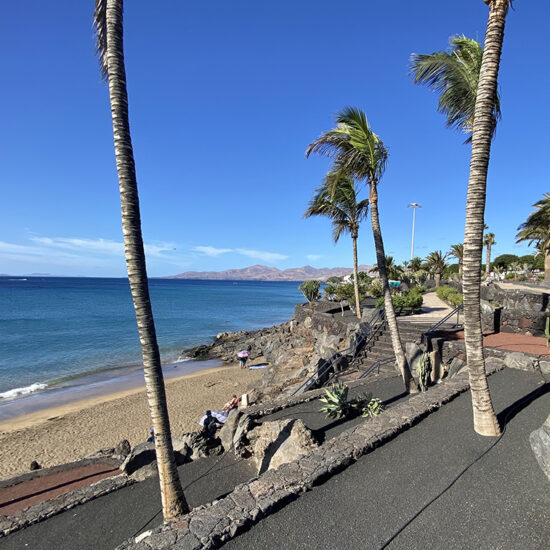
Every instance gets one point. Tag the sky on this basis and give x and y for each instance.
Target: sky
(224, 99)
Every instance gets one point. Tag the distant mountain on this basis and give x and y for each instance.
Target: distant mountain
(265, 273)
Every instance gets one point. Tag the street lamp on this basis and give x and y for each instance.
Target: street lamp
(414, 206)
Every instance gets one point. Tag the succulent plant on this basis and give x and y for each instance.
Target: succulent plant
(336, 401)
(373, 407)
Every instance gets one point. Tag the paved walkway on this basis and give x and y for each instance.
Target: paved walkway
(502, 501)
(433, 309)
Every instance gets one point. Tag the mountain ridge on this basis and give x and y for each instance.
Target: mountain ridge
(265, 273)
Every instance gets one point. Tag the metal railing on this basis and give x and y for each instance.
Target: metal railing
(435, 326)
(366, 335)
(376, 365)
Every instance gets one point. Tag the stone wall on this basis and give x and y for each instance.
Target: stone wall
(523, 311)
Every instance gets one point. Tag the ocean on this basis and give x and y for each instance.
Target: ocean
(62, 332)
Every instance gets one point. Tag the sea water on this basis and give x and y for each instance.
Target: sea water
(59, 331)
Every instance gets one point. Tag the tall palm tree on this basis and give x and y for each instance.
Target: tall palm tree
(415, 264)
(109, 29)
(436, 262)
(485, 420)
(457, 250)
(356, 150)
(337, 200)
(488, 241)
(536, 229)
(459, 104)
(455, 76)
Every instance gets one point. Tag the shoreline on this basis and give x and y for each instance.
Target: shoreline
(71, 431)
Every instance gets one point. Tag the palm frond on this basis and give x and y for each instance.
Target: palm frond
(536, 229)
(100, 26)
(454, 77)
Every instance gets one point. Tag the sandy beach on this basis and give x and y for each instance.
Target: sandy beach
(67, 433)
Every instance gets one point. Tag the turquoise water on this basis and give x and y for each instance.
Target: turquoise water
(53, 329)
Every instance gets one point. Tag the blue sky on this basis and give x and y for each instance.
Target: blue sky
(224, 99)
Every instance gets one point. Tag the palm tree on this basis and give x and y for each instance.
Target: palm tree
(459, 104)
(356, 150)
(415, 264)
(454, 75)
(536, 229)
(109, 29)
(337, 200)
(488, 241)
(457, 250)
(436, 263)
(485, 420)
(395, 272)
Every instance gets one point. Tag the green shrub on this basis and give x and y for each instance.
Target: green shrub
(522, 277)
(540, 278)
(449, 295)
(375, 288)
(510, 276)
(411, 300)
(420, 289)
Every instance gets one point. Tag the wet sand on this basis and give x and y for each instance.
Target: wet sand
(70, 432)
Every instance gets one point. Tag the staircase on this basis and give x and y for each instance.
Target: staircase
(378, 356)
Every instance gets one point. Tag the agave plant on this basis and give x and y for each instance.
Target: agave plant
(336, 404)
(373, 407)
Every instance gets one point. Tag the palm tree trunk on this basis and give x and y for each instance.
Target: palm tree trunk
(488, 261)
(173, 500)
(437, 277)
(401, 360)
(460, 268)
(356, 276)
(485, 421)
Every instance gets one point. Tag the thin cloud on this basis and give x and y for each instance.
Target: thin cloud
(313, 257)
(211, 251)
(270, 257)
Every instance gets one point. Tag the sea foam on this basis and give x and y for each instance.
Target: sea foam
(37, 386)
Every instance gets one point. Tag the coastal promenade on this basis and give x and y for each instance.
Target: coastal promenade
(502, 500)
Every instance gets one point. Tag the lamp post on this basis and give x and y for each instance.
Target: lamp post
(414, 206)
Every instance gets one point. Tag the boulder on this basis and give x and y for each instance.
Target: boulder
(123, 448)
(141, 455)
(517, 360)
(194, 445)
(540, 443)
(240, 438)
(228, 430)
(279, 442)
(35, 466)
(455, 367)
(414, 354)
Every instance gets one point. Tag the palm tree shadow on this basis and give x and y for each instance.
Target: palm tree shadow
(512, 410)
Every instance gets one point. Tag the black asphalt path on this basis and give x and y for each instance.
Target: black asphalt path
(501, 502)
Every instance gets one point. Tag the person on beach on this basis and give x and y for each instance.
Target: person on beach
(151, 438)
(242, 356)
(210, 424)
(233, 404)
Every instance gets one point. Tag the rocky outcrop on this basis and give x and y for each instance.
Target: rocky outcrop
(540, 443)
(294, 350)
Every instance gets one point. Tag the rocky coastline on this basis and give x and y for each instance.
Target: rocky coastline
(292, 350)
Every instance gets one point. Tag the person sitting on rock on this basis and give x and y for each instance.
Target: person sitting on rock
(233, 404)
(210, 424)
(151, 438)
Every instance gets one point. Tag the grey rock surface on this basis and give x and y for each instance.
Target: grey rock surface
(540, 443)
(455, 367)
(279, 442)
(517, 360)
(140, 456)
